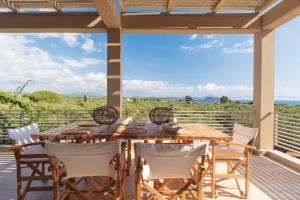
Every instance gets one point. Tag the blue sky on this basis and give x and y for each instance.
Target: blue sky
(153, 65)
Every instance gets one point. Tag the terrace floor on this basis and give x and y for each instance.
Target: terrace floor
(269, 180)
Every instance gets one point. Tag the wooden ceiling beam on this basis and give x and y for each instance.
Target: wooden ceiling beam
(170, 5)
(51, 22)
(280, 14)
(265, 6)
(188, 23)
(10, 6)
(53, 4)
(122, 5)
(109, 13)
(218, 6)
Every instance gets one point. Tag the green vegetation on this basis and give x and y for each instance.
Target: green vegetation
(48, 100)
(45, 96)
(188, 99)
(224, 99)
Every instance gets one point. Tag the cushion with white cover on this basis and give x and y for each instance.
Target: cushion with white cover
(23, 135)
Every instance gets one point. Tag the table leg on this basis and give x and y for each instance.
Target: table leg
(128, 156)
(213, 162)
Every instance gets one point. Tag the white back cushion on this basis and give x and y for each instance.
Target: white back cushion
(91, 159)
(171, 160)
(23, 135)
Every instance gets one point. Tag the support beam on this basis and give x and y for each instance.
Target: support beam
(263, 90)
(109, 13)
(188, 23)
(114, 69)
(50, 22)
(218, 6)
(170, 5)
(280, 14)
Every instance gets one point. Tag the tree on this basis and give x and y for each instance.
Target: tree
(188, 99)
(224, 99)
(20, 89)
(46, 96)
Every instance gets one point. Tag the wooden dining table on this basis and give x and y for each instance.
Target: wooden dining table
(187, 132)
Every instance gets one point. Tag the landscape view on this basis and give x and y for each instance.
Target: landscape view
(149, 99)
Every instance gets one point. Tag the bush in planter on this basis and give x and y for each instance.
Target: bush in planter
(46, 96)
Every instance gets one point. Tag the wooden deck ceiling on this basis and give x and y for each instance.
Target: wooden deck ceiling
(127, 5)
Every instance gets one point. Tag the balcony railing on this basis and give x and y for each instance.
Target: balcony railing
(287, 126)
(287, 131)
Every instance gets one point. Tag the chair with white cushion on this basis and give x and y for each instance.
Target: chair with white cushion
(29, 155)
(236, 153)
(169, 162)
(87, 171)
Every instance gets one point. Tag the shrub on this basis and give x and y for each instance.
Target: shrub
(224, 100)
(46, 96)
(188, 99)
(5, 93)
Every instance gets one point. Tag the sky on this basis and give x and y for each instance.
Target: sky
(157, 65)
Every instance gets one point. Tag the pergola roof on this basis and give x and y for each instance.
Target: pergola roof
(214, 5)
(127, 5)
(146, 16)
(58, 5)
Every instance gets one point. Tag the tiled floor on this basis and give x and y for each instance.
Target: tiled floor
(268, 181)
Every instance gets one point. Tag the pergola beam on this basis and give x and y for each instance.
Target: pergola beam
(51, 22)
(218, 6)
(188, 23)
(122, 5)
(53, 3)
(280, 14)
(109, 13)
(170, 5)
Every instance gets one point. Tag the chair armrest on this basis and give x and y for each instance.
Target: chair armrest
(238, 144)
(19, 147)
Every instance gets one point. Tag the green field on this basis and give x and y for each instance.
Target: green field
(143, 104)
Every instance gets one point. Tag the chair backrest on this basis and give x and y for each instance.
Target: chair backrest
(23, 135)
(171, 160)
(90, 159)
(244, 135)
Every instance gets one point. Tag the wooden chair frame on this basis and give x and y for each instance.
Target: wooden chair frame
(114, 188)
(161, 188)
(233, 162)
(36, 163)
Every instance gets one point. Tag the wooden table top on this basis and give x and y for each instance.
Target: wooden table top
(187, 131)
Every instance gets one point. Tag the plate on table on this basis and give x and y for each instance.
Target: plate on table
(75, 132)
(87, 125)
(130, 130)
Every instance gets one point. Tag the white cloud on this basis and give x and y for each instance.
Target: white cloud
(20, 61)
(165, 89)
(243, 47)
(71, 39)
(83, 62)
(193, 37)
(88, 46)
(187, 48)
(208, 42)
